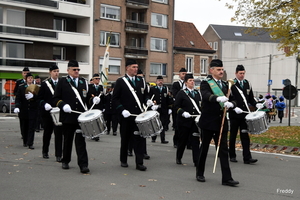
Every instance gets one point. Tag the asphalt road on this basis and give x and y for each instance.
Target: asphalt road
(26, 175)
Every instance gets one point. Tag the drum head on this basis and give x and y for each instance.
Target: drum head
(54, 110)
(146, 116)
(89, 115)
(255, 115)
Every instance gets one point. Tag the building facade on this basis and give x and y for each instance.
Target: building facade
(139, 29)
(36, 33)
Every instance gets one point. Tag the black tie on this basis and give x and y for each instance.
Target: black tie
(241, 84)
(74, 79)
(219, 83)
(133, 81)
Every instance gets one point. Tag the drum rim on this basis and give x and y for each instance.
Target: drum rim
(94, 111)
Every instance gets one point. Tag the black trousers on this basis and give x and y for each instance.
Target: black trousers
(111, 121)
(185, 133)
(80, 146)
(49, 127)
(176, 133)
(207, 135)
(164, 121)
(21, 123)
(127, 129)
(24, 123)
(235, 125)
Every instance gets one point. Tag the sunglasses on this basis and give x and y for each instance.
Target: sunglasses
(76, 69)
(97, 78)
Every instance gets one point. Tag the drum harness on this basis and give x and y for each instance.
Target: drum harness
(50, 87)
(78, 96)
(133, 93)
(194, 103)
(242, 95)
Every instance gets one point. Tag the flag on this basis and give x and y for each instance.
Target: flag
(104, 69)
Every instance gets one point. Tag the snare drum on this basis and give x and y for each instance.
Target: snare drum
(149, 123)
(55, 116)
(257, 122)
(92, 123)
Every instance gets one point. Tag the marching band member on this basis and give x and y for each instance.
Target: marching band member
(243, 95)
(70, 95)
(213, 102)
(187, 104)
(46, 102)
(128, 98)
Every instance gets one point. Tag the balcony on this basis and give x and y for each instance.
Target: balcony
(25, 31)
(138, 4)
(48, 3)
(136, 27)
(23, 62)
(136, 52)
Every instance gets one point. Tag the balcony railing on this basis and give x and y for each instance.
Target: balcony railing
(49, 3)
(27, 31)
(136, 26)
(23, 62)
(141, 2)
(137, 51)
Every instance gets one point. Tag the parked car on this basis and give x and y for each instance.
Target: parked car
(4, 103)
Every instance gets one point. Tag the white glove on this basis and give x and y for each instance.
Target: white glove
(126, 113)
(169, 111)
(238, 110)
(150, 103)
(228, 104)
(96, 100)
(103, 110)
(259, 105)
(67, 108)
(186, 115)
(16, 110)
(154, 107)
(29, 95)
(222, 99)
(48, 106)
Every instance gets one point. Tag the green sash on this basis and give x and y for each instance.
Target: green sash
(216, 90)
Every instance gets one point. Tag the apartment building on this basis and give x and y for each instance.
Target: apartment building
(139, 29)
(36, 33)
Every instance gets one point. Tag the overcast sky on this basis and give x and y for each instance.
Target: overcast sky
(204, 12)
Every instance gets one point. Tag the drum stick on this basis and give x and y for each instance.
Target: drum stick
(134, 115)
(147, 105)
(94, 103)
(195, 115)
(245, 112)
(230, 83)
(76, 112)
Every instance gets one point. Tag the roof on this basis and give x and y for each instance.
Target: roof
(237, 33)
(188, 38)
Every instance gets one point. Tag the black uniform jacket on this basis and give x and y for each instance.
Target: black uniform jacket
(92, 92)
(64, 94)
(212, 113)
(248, 94)
(184, 104)
(162, 99)
(45, 96)
(176, 87)
(25, 106)
(123, 98)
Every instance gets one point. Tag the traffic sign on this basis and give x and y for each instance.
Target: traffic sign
(289, 92)
(270, 82)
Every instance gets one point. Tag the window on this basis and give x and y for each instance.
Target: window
(159, 20)
(15, 50)
(114, 65)
(158, 44)
(1, 15)
(158, 69)
(210, 44)
(161, 1)
(59, 24)
(15, 17)
(1, 44)
(204, 66)
(215, 45)
(237, 34)
(114, 38)
(59, 53)
(110, 12)
(189, 64)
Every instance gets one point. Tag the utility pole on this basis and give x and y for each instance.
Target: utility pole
(269, 78)
(296, 77)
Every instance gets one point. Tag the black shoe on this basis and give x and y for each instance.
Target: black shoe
(58, 159)
(200, 178)
(37, 130)
(178, 161)
(107, 133)
(233, 160)
(141, 167)
(189, 147)
(84, 170)
(114, 133)
(250, 161)
(45, 155)
(124, 164)
(96, 139)
(129, 153)
(164, 142)
(230, 183)
(175, 146)
(30, 147)
(65, 166)
(146, 157)
(153, 141)
(25, 145)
